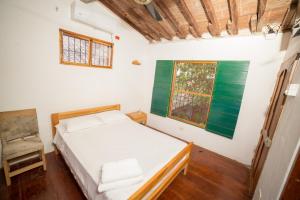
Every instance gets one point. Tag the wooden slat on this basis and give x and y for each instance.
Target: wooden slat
(168, 15)
(147, 18)
(232, 24)
(144, 17)
(162, 87)
(261, 8)
(184, 9)
(55, 117)
(141, 192)
(24, 169)
(129, 19)
(139, 19)
(166, 182)
(213, 25)
(193, 93)
(289, 18)
(227, 97)
(176, 14)
(253, 23)
(132, 16)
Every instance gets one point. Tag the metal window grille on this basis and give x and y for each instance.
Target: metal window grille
(192, 91)
(75, 50)
(101, 54)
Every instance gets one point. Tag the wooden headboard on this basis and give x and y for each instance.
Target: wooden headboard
(55, 117)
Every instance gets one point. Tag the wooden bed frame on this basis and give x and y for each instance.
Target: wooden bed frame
(165, 175)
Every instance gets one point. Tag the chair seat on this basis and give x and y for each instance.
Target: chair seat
(20, 147)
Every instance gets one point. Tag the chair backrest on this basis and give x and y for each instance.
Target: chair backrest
(18, 124)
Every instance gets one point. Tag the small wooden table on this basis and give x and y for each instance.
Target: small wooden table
(139, 117)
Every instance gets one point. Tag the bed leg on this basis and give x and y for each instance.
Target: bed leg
(185, 169)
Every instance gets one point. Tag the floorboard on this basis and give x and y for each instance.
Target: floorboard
(210, 176)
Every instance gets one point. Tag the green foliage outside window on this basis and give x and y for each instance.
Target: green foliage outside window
(192, 89)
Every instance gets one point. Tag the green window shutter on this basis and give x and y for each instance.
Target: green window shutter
(162, 87)
(227, 97)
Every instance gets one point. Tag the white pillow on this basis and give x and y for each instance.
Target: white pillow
(110, 116)
(79, 123)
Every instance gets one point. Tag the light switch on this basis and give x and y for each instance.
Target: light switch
(292, 90)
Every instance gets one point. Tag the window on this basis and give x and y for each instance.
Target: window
(101, 54)
(192, 89)
(76, 49)
(200, 93)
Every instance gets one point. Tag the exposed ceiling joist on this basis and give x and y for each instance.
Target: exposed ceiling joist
(233, 22)
(213, 25)
(170, 18)
(143, 14)
(144, 27)
(129, 19)
(253, 23)
(261, 7)
(183, 7)
(145, 17)
(137, 12)
(180, 17)
(290, 16)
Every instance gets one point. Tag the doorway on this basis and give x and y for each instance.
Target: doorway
(276, 106)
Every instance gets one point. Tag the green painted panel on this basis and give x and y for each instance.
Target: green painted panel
(220, 131)
(226, 120)
(230, 66)
(227, 97)
(223, 108)
(233, 78)
(162, 87)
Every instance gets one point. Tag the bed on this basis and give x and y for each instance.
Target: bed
(162, 157)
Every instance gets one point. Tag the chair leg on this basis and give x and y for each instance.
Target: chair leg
(6, 172)
(44, 160)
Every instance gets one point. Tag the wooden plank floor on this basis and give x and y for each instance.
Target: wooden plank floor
(210, 176)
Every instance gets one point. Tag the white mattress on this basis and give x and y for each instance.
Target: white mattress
(86, 150)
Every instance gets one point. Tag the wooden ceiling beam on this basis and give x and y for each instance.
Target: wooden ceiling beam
(213, 25)
(253, 23)
(187, 14)
(138, 17)
(170, 18)
(261, 8)
(133, 16)
(144, 27)
(232, 24)
(193, 32)
(144, 17)
(130, 20)
(289, 18)
(152, 23)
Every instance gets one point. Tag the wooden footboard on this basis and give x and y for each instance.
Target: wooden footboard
(176, 164)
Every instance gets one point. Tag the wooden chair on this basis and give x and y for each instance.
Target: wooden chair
(20, 140)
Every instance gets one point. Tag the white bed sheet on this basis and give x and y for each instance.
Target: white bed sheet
(86, 150)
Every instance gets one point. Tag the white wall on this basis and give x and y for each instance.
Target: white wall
(285, 144)
(30, 73)
(265, 58)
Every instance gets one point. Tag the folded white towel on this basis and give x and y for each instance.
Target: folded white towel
(102, 187)
(120, 170)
